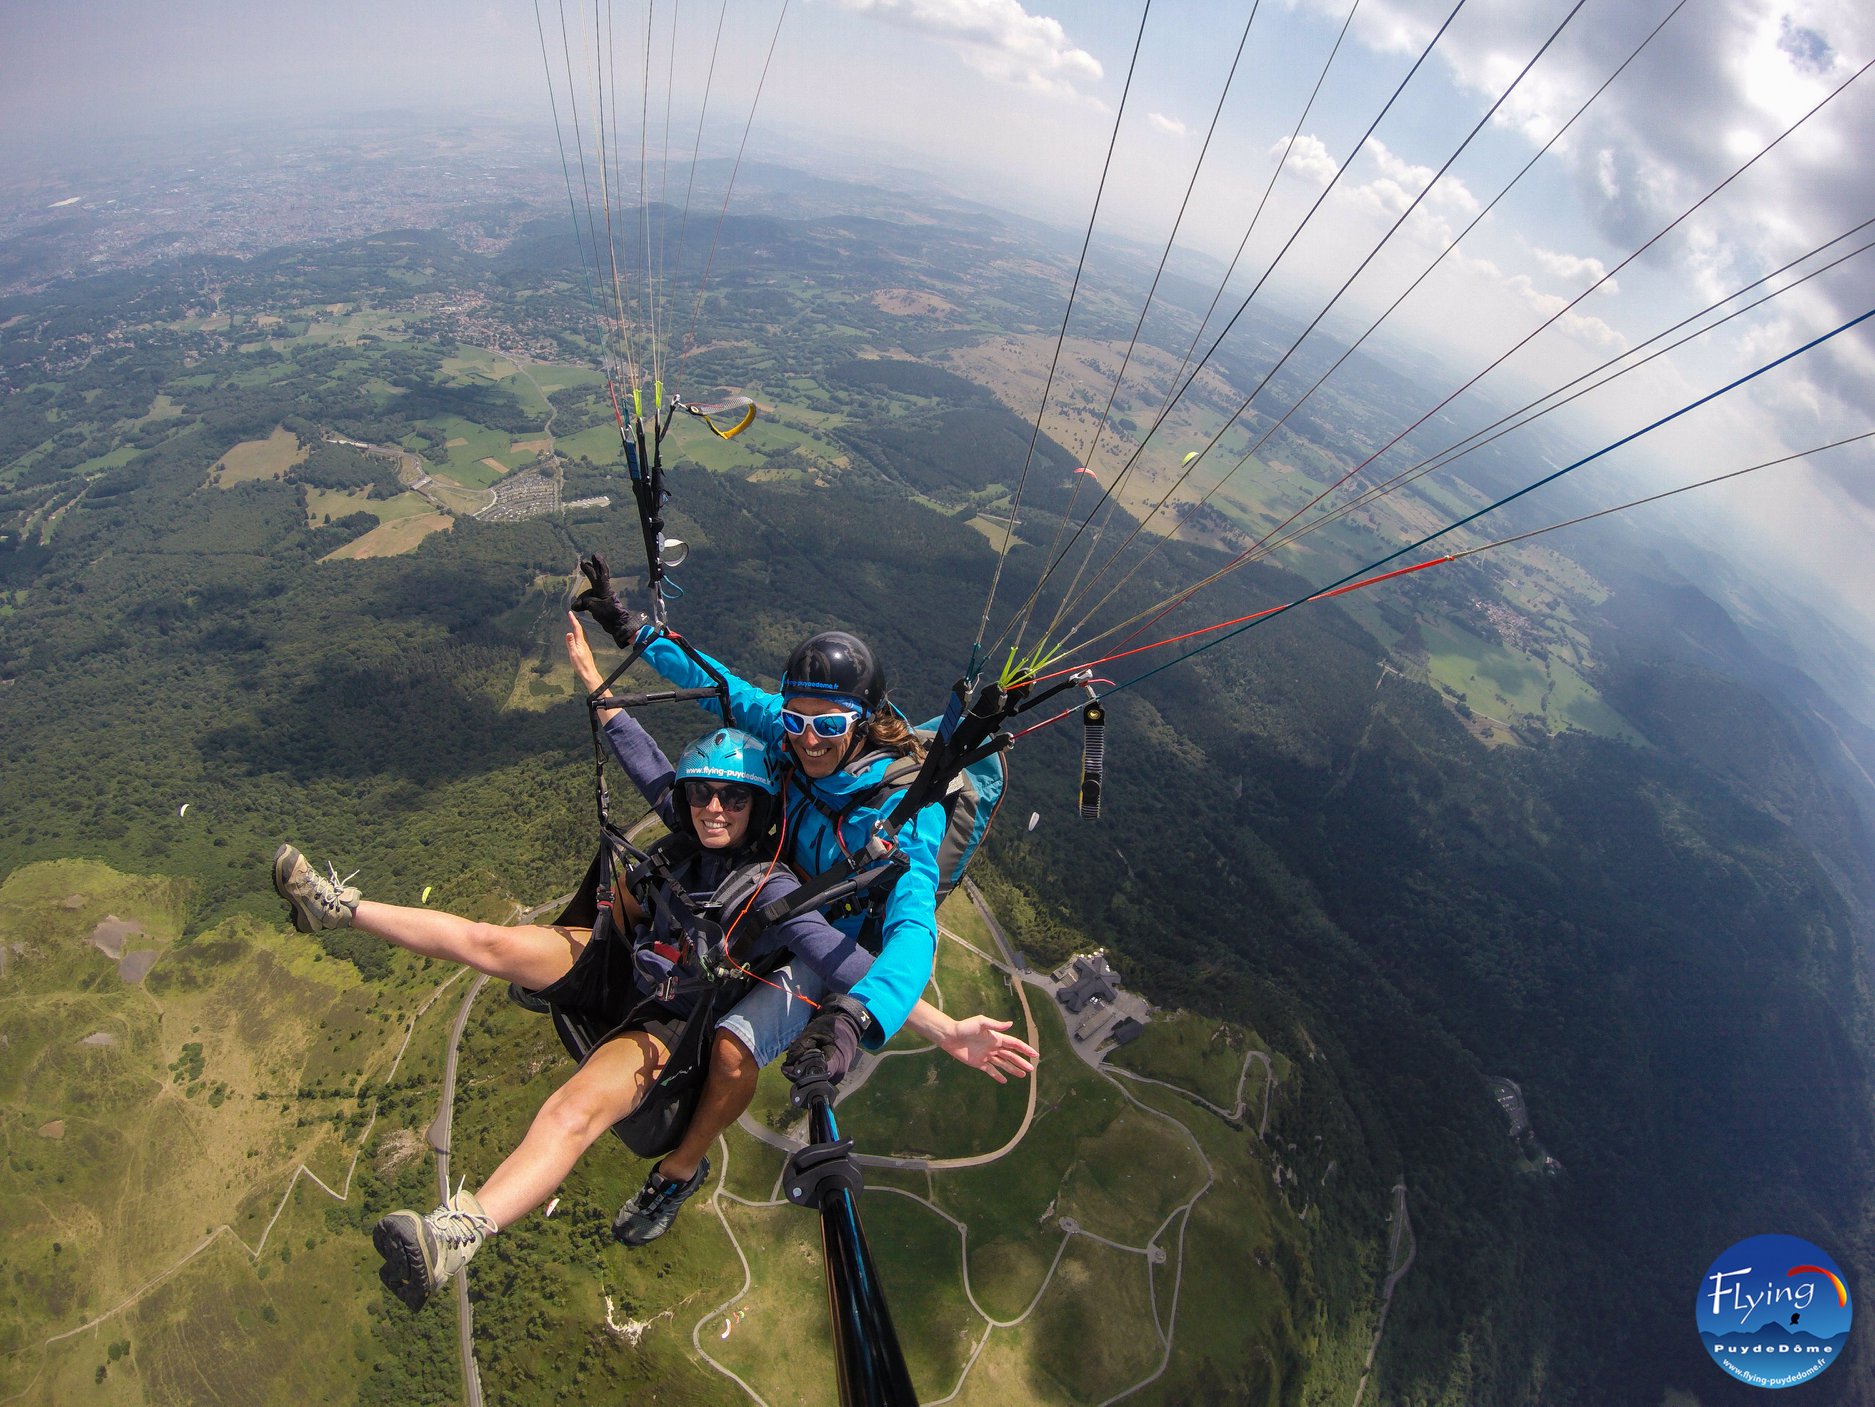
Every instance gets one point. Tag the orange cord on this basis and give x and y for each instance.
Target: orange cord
(781, 842)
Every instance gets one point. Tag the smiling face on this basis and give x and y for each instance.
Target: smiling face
(717, 827)
(818, 757)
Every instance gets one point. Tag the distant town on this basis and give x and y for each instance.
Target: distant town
(256, 196)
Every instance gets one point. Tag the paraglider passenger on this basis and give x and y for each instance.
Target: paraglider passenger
(723, 792)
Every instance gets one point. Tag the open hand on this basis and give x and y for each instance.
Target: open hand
(980, 1042)
(579, 655)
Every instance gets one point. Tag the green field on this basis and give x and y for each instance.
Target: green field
(325, 505)
(1197, 1053)
(162, 1139)
(1505, 684)
(254, 460)
(468, 444)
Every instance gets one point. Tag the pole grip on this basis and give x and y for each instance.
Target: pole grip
(871, 1365)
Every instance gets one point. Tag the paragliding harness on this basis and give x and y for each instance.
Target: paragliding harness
(704, 966)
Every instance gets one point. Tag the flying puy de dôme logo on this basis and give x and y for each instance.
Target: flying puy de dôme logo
(1774, 1311)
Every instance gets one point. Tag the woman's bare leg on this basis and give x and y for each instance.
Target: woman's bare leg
(601, 1092)
(532, 955)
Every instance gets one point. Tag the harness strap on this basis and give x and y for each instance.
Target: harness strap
(839, 883)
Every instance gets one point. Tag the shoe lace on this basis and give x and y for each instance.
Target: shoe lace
(655, 1193)
(458, 1226)
(332, 870)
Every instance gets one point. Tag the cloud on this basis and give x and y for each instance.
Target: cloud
(997, 38)
(1577, 269)
(1805, 48)
(1171, 126)
(1401, 180)
(1308, 158)
(1717, 83)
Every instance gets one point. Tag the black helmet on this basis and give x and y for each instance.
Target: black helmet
(834, 665)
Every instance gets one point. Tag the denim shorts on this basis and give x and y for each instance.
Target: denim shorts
(767, 1020)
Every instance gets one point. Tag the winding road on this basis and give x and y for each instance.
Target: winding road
(438, 1136)
(1402, 1227)
(774, 1139)
(439, 1140)
(1160, 1246)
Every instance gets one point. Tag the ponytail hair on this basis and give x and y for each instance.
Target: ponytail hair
(888, 729)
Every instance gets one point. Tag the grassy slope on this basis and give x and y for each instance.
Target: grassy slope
(163, 1155)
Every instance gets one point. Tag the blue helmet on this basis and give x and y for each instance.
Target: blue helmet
(728, 755)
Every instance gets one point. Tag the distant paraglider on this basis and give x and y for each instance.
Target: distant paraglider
(424, 897)
(1035, 819)
(182, 810)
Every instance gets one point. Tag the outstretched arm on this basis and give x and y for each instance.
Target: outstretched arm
(978, 1041)
(642, 759)
(753, 710)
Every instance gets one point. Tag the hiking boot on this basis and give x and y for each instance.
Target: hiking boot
(318, 901)
(421, 1252)
(650, 1214)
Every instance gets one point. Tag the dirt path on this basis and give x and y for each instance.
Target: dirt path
(439, 1133)
(1233, 1115)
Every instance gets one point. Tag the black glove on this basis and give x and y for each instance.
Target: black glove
(600, 601)
(826, 1049)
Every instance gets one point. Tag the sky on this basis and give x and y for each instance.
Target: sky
(1016, 102)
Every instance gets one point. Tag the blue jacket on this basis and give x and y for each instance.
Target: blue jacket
(909, 938)
(832, 954)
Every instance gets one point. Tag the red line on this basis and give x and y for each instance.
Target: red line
(1222, 625)
(618, 413)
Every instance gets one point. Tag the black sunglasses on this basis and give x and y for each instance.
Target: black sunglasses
(733, 795)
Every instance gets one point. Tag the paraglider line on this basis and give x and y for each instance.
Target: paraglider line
(1479, 438)
(703, 283)
(1243, 308)
(1119, 377)
(1512, 497)
(1435, 562)
(1061, 337)
(1476, 220)
(566, 173)
(1525, 341)
(607, 352)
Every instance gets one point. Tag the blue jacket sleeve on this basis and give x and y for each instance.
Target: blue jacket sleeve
(644, 761)
(909, 948)
(755, 710)
(834, 956)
